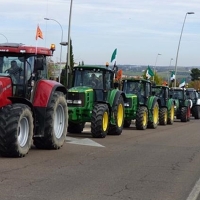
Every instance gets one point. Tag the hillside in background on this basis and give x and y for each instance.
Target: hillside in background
(163, 71)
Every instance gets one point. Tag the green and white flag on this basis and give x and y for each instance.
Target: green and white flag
(172, 76)
(149, 73)
(114, 54)
(182, 84)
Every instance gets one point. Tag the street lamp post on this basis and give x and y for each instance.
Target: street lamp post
(60, 43)
(69, 44)
(4, 37)
(169, 70)
(155, 64)
(188, 13)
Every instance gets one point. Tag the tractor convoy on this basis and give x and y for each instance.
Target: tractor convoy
(37, 111)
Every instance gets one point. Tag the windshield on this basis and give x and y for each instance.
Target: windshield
(97, 79)
(133, 87)
(158, 91)
(177, 94)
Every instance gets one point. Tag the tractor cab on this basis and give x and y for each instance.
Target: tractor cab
(140, 88)
(24, 65)
(99, 79)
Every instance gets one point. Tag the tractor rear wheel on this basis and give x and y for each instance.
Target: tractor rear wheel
(155, 116)
(100, 121)
(16, 122)
(163, 116)
(170, 115)
(56, 124)
(119, 118)
(184, 114)
(141, 118)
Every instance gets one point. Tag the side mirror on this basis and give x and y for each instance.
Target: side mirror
(39, 64)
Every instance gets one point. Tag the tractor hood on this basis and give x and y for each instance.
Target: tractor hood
(80, 89)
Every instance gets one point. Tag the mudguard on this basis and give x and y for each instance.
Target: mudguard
(43, 91)
(5, 91)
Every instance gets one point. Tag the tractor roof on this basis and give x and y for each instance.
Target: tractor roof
(160, 86)
(90, 67)
(191, 89)
(177, 88)
(8, 48)
(135, 80)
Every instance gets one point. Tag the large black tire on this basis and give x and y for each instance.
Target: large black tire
(141, 118)
(100, 121)
(155, 119)
(56, 119)
(16, 133)
(127, 123)
(184, 114)
(119, 118)
(163, 116)
(170, 115)
(75, 128)
(196, 112)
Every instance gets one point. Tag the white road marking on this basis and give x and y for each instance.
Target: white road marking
(85, 141)
(195, 191)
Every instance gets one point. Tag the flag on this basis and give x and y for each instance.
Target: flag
(38, 33)
(182, 84)
(149, 73)
(113, 55)
(172, 76)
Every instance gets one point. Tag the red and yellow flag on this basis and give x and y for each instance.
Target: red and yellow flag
(38, 33)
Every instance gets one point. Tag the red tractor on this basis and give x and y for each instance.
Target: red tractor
(33, 109)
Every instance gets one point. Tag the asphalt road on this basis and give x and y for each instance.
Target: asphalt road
(155, 164)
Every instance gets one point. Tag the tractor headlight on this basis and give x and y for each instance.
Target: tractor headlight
(69, 101)
(126, 104)
(77, 102)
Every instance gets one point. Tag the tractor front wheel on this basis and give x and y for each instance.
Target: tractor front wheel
(184, 114)
(153, 123)
(16, 131)
(170, 115)
(119, 118)
(141, 118)
(163, 116)
(100, 121)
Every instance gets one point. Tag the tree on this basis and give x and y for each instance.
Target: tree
(194, 84)
(195, 74)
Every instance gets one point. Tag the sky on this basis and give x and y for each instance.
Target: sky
(145, 32)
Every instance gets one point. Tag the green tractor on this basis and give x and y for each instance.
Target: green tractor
(194, 98)
(166, 104)
(94, 97)
(140, 104)
(182, 104)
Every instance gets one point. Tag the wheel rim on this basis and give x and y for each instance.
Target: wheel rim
(23, 132)
(120, 114)
(155, 114)
(144, 119)
(172, 113)
(105, 121)
(59, 122)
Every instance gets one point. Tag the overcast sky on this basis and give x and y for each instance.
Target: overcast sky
(140, 30)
